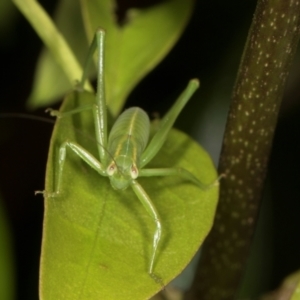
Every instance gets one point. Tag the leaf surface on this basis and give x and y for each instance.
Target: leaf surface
(97, 241)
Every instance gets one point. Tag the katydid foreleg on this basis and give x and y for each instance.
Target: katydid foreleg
(167, 122)
(181, 172)
(83, 154)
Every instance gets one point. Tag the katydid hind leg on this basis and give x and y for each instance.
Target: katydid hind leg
(150, 208)
(167, 122)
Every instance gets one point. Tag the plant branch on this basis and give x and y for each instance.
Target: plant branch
(257, 95)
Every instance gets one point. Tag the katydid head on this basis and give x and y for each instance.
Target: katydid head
(121, 172)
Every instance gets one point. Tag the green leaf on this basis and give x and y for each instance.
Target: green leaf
(97, 241)
(134, 49)
(54, 40)
(50, 81)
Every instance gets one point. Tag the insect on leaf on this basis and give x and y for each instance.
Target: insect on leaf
(97, 241)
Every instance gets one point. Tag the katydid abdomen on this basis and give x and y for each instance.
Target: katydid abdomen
(127, 140)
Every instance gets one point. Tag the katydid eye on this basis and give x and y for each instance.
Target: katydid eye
(134, 172)
(111, 169)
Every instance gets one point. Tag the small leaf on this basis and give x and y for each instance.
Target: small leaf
(50, 81)
(53, 39)
(97, 241)
(134, 49)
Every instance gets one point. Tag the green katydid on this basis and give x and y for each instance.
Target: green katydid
(125, 152)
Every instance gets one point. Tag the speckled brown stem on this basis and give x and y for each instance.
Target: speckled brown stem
(257, 95)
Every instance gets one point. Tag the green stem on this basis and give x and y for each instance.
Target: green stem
(52, 38)
(270, 48)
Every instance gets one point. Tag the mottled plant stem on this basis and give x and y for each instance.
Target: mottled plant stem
(256, 100)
